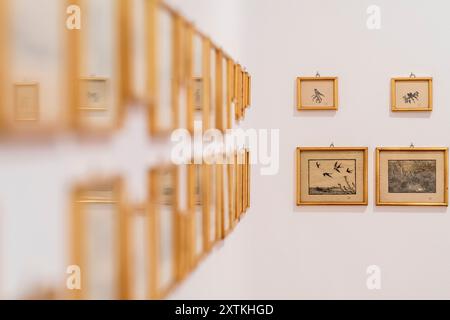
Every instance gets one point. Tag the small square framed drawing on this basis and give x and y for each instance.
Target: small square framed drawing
(93, 94)
(331, 176)
(412, 94)
(412, 176)
(317, 93)
(26, 101)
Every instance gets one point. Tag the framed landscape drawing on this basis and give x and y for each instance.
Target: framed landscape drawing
(332, 176)
(317, 93)
(412, 94)
(412, 176)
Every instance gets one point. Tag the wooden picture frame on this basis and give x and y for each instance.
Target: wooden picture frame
(163, 231)
(407, 93)
(239, 184)
(108, 194)
(184, 221)
(198, 212)
(5, 18)
(411, 176)
(139, 257)
(164, 28)
(26, 73)
(230, 113)
(238, 92)
(79, 71)
(93, 94)
(199, 86)
(26, 102)
(231, 190)
(317, 93)
(331, 176)
(244, 181)
(247, 179)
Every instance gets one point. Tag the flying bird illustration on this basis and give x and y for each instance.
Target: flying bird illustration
(318, 165)
(337, 167)
(349, 171)
(327, 174)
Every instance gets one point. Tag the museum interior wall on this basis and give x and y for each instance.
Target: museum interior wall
(279, 250)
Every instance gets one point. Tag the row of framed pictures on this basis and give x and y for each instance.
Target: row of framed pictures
(144, 251)
(407, 94)
(141, 52)
(404, 176)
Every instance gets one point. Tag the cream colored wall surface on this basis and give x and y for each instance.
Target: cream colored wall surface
(279, 250)
(284, 251)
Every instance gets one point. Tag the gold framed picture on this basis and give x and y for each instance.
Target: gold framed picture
(248, 174)
(239, 183)
(317, 93)
(198, 212)
(101, 109)
(139, 259)
(231, 213)
(94, 94)
(100, 240)
(163, 244)
(412, 94)
(230, 93)
(165, 88)
(26, 101)
(331, 176)
(412, 176)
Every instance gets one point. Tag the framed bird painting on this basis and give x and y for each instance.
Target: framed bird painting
(412, 94)
(317, 93)
(331, 176)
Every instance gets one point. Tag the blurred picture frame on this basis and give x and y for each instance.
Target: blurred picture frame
(238, 92)
(26, 101)
(317, 93)
(169, 70)
(231, 215)
(331, 176)
(239, 184)
(412, 94)
(230, 93)
(81, 75)
(411, 176)
(99, 243)
(200, 101)
(198, 210)
(163, 231)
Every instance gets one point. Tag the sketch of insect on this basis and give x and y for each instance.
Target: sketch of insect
(411, 97)
(332, 177)
(412, 176)
(317, 97)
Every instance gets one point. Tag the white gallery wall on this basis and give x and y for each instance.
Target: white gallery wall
(279, 250)
(284, 251)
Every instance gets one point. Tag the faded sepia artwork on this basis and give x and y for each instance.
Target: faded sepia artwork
(198, 186)
(412, 176)
(93, 94)
(198, 94)
(26, 102)
(167, 190)
(332, 177)
(412, 94)
(317, 93)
